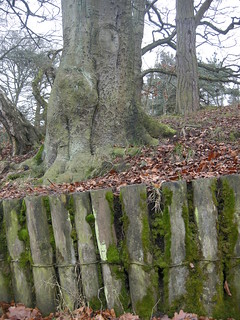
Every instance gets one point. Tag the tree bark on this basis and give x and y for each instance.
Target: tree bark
(187, 96)
(95, 100)
(22, 134)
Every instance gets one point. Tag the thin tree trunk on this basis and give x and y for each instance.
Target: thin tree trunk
(22, 134)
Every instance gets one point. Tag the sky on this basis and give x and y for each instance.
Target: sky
(223, 45)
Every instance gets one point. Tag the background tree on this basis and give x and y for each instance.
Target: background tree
(23, 57)
(200, 20)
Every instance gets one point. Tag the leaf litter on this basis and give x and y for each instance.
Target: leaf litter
(207, 144)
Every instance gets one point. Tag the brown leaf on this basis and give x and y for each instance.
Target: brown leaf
(226, 287)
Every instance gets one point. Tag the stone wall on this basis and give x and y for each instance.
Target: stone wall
(174, 247)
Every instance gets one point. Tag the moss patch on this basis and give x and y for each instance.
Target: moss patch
(25, 260)
(194, 284)
(46, 205)
(227, 306)
(5, 270)
(144, 307)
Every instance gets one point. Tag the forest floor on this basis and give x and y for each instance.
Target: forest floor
(207, 144)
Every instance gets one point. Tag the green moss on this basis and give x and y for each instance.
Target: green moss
(95, 303)
(101, 300)
(5, 270)
(23, 235)
(194, 284)
(214, 192)
(227, 306)
(14, 176)
(113, 254)
(38, 157)
(46, 205)
(110, 199)
(161, 239)
(90, 218)
(144, 307)
(125, 223)
(146, 243)
(70, 206)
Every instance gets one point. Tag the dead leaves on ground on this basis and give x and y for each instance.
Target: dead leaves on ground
(209, 147)
(20, 312)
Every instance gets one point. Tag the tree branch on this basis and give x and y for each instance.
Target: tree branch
(160, 42)
(230, 27)
(202, 10)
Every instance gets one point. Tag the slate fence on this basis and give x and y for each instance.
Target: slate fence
(143, 252)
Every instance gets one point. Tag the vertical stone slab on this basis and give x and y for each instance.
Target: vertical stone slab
(65, 254)
(22, 288)
(102, 205)
(86, 247)
(178, 271)
(206, 216)
(137, 232)
(42, 254)
(234, 183)
(5, 276)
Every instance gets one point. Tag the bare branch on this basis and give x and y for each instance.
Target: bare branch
(202, 10)
(159, 42)
(215, 28)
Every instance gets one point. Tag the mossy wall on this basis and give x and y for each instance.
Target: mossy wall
(174, 248)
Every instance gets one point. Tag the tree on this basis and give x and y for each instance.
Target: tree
(22, 134)
(96, 97)
(188, 19)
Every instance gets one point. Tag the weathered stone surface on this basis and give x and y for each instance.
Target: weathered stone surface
(141, 274)
(86, 246)
(42, 254)
(206, 216)
(22, 288)
(178, 272)
(102, 205)
(234, 184)
(5, 284)
(65, 254)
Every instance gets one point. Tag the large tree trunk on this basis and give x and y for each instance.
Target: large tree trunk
(22, 134)
(95, 100)
(187, 97)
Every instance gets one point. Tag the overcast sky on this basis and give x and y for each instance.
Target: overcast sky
(224, 45)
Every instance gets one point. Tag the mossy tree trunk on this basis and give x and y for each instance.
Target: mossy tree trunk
(96, 96)
(22, 134)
